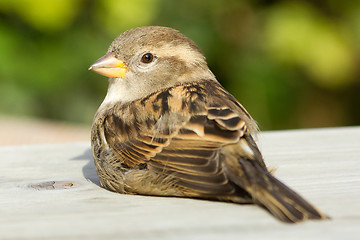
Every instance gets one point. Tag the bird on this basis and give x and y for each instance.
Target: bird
(167, 127)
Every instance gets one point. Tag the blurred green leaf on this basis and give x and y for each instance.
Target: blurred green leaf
(117, 16)
(297, 34)
(47, 16)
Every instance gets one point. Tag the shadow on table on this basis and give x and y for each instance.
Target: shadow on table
(89, 169)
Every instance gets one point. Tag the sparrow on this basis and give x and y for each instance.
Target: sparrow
(168, 128)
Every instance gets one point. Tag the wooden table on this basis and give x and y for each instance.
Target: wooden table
(51, 192)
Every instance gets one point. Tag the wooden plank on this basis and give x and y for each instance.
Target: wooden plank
(51, 192)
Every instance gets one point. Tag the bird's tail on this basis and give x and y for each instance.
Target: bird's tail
(276, 197)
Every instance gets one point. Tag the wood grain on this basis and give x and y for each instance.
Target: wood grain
(51, 192)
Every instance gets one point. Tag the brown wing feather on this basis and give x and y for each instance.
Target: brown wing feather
(181, 142)
(185, 146)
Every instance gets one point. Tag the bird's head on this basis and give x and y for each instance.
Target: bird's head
(143, 60)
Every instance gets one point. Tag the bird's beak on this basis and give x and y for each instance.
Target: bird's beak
(109, 66)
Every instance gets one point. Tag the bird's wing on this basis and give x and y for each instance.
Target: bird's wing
(180, 132)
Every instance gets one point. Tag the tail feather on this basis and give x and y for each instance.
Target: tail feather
(276, 197)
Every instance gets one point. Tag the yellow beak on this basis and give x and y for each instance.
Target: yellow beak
(109, 66)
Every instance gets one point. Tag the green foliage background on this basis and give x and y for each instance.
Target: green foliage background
(292, 64)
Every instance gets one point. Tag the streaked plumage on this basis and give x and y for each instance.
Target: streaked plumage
(168, 128)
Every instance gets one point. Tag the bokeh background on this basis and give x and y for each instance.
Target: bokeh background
(292, 64)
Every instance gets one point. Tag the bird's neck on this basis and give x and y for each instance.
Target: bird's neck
(120, 90)
(124, 90)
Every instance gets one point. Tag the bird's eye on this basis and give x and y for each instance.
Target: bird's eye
(147, 58)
